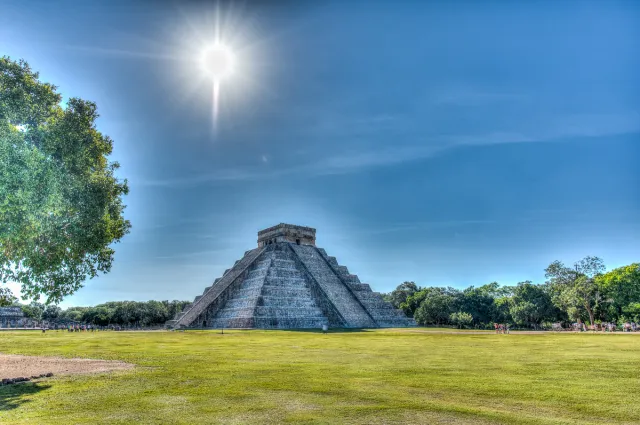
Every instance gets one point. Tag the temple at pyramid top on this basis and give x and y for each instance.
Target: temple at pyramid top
(287, 233)
(288, 283)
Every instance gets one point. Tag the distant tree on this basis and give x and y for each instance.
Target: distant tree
(435, 306)
(501, 312)
(6, 297)
(155, 313)
(531, 305)
(399, 295)
(632, 311)
(72, 314)
(461, 319)
(413, 302)
(479, 302)
(34, 310)
(60, 203)
(51, 313)
(575, 289)
(620, 289)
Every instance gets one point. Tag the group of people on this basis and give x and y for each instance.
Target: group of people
(501, 328)
(605, 327)
(81, 328)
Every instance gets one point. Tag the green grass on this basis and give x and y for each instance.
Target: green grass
(369, 377)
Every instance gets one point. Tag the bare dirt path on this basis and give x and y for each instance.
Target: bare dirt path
(14, 366)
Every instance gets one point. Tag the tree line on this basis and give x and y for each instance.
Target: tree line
(120, 313)
(583, 292)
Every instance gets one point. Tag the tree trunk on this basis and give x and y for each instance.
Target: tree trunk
(591, 318)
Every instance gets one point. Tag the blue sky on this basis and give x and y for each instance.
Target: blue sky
(449, 143)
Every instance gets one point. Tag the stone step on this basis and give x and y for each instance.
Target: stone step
(229, 313)
(339, 295)
(242, 302)
(284, 264)
(282, 255)
(288, 312)
(290, 323)
(278, 291)
(351, 279)
(268, 323)
(281, 272)
(248, 293)
(255, 282)
(333, 261)
(289, 282)
(257, 273)
(306, 302)
(263, 263)
(361, 287)
(387, 312)
(238, 322)
(342, 270)
(368, 295)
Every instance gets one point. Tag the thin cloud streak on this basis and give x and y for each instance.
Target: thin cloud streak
(593, 126)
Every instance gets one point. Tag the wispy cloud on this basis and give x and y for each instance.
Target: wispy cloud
(354, 160)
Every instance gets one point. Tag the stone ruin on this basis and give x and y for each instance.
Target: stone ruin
(12, 317)
(289, 283)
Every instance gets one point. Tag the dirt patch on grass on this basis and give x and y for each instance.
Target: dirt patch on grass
(13, 366)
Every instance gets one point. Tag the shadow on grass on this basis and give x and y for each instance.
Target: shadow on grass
(14, 395)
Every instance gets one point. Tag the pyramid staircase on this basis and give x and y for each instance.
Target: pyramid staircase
(287, 285)
(275, 295)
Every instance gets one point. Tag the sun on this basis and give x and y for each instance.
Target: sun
(218, 61)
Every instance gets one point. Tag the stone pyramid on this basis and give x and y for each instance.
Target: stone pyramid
(288, 283)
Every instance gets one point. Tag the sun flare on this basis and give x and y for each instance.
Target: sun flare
(218, 61)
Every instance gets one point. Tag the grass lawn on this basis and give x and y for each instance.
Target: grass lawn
(367, 377)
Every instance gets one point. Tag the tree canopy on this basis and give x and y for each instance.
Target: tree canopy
(60, 202)
(122, 313)
(582, 292)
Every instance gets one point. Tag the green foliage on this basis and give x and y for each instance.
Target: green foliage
(461, 319)
(575, 290)
(401, 293)
(620, 289)
(33, 311)
(531, 305)
(60, 202)
(579, 292)
(434, 305)
(122, 313)
(6, 297)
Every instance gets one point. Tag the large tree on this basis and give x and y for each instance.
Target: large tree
(575, 289)
(60, 201)
(399, 295)
(434, 305)
(621, 292)
(531, 305)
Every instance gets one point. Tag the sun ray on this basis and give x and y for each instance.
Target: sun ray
(216, 99)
